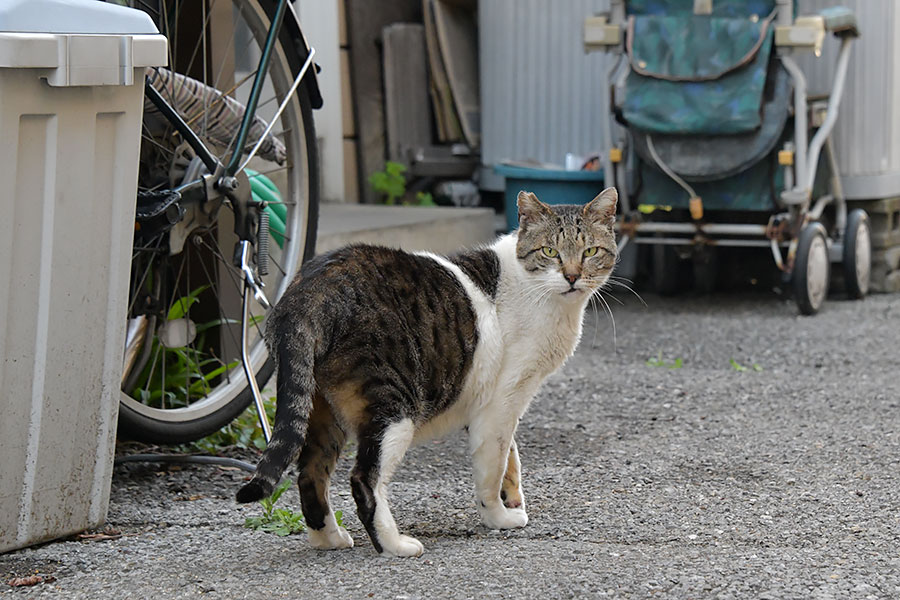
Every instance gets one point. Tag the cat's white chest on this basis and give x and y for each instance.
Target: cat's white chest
(538, 345)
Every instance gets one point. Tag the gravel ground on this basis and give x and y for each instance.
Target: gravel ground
(642, 481)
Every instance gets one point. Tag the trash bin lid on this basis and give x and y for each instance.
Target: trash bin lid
(72, 16)
(79, 42)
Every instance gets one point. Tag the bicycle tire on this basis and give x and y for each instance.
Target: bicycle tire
(161, 425)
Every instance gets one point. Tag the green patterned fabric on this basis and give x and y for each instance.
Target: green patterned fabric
(721, 8)
(753, 189)
(720, 80)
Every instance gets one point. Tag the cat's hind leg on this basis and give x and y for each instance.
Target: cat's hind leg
(324, 440)
(511, 490)
(381, 448)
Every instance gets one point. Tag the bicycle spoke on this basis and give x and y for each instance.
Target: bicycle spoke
(265, 102)
(168, 34)
(238, 283)
(276, 170)
(221, 316)
(149, 138)
(229, 269)
(143, 277)
(152, 369)
(280, 268)
(221, 98)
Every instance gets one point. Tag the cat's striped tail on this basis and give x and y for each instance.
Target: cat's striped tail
(294, 360)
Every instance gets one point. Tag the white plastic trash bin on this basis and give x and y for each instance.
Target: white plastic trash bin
(71, 101)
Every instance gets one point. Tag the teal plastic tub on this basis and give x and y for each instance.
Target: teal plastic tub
(549, 185)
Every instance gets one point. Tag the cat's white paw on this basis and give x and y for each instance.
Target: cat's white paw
(403, 545)
(500, 517)
(333, 539)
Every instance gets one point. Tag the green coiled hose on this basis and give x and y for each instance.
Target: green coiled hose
(263, 190)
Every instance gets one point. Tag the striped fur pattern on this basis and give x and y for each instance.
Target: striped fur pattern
(395, 348)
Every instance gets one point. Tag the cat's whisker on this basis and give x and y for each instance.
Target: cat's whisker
(611, 317)
(627, 287)
(610, 294)
(597, 309)
(538, 294)
(596, 319)
(619, 278)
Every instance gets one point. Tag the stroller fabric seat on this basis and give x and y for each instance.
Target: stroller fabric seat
(696, 74)
(720, 8)
(709, 157)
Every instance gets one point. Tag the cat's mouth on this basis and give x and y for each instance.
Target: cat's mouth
(571, 290)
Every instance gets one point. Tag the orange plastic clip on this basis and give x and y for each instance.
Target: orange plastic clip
(696, 206)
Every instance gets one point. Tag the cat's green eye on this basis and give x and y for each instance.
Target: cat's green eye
(592, 251)
(549, 252)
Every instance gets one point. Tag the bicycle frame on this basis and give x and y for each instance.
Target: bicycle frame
(229, 180)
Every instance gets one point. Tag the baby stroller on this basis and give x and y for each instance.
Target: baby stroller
(716, 143)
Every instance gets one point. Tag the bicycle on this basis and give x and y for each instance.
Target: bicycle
(228, 156)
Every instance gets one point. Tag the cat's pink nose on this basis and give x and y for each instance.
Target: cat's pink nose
(571, 278)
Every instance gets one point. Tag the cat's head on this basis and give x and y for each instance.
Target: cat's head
(569, 249)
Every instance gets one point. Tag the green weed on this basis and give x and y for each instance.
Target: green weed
(425, 199)
(189, 372)
(659, 362)
(244, 432)
(281, 521)
(741, 368)
(391, 185)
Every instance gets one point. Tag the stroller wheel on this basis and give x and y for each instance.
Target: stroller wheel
(811, 269)
(857, 258)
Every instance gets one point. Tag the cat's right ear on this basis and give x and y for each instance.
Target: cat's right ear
(530, 208)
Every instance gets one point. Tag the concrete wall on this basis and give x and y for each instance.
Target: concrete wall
(321, 21)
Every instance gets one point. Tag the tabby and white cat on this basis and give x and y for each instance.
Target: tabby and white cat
(396, 347)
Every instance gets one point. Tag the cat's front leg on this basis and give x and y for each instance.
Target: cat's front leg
(490, 442)
(511, 490)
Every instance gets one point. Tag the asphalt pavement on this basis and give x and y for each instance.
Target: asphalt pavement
(715, 447)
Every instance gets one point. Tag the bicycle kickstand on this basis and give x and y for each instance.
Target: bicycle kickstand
(254, 285)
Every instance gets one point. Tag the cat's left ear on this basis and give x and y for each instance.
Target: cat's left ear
(603, 207)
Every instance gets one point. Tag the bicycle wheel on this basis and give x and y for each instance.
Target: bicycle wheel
(182, 376)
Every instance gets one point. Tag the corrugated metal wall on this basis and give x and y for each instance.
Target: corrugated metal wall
(538, 87)
(868, 128)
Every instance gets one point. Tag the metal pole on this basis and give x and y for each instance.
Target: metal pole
(834, 103)
(245, 353)
(800, 118)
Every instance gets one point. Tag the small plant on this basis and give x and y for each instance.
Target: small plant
(280, 521)
(244, 432)
(741, 368)
(189, 373)
(390, 183)
(659, 362)
(425, 199)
